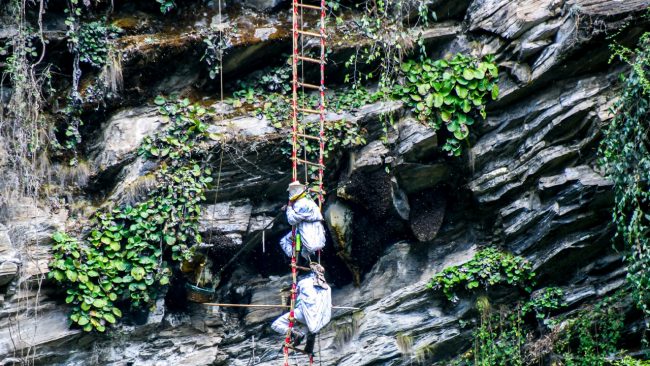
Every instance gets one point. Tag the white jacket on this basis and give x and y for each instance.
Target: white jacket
(305, 214)
(315, 303)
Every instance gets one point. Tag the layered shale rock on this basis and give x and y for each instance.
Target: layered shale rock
(398, 209)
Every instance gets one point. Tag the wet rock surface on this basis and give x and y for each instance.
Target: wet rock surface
(397, 213)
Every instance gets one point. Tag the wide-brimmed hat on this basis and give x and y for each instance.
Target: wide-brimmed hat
(295, 185)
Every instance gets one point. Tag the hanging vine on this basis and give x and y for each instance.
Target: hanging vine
(625, 155)
(449, 93)
(124, 257)
(389, 31)
(23, 128)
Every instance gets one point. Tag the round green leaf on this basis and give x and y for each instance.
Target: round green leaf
(92, 273)
(461, 92)
(461, 133)
(438, 100)
(170, 240)
(115, 246)
(138, 273)
(72, 276)
(466, 106)
(99, 303)
(495, 92)
(452, 126)
(58, 237)
(109, 318)
(446, 116)
(58, 275)
(83, 320)
(423, 89)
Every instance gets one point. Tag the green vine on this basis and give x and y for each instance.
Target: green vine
(591, 338)
(545, 302)
(625, 155)
(93, 42)
(122, 262)
(489, 267)
(216, 40)
(387, 27)
(449, 93)
(90, 43)
(629, 361)
(24, 129)
(268, 94)
(387, 30)
(500, 337)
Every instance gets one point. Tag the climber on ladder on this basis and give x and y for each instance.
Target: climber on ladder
(313, 308)
(304, 214)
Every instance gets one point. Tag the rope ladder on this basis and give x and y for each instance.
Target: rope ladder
(300, 132)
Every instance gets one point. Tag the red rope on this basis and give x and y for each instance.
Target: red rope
(321, 144)
(294, 99)
(294, 174)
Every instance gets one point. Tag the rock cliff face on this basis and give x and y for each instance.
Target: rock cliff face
(529, 183)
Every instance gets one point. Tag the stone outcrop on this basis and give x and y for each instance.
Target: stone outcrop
(397, 212)
(120, 138)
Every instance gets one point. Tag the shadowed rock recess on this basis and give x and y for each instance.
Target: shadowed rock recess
(397, 212)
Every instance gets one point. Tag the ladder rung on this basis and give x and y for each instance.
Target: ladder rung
(315, 7)
(300, 267)
(307, 33)
(310, 86)
(307, 110)
(302, 161)
(311, 137)
(310, 59)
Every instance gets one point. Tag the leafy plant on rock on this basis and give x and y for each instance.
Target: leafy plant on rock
(489, 267)
(93, 281)
(499, 338)
(122, 261)
(277, 79)
(93, 42)
(544, 302)
(449, 93)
